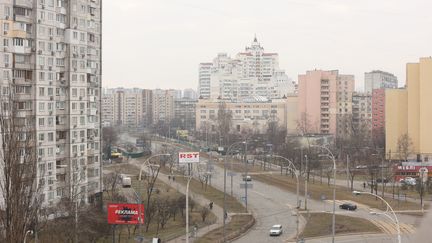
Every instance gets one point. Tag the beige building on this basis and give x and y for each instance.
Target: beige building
(248, 114)
(163, 105)
(408, 111)
(362, 112)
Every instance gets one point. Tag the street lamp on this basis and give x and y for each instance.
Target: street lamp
(394, 220)
(331, 156)
(224, 199)
(293, 169)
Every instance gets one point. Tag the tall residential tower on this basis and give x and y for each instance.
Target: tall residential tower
(50, 57)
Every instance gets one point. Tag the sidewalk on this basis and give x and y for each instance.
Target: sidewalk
(199, 199)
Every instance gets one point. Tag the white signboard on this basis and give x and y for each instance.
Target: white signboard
(188, 157)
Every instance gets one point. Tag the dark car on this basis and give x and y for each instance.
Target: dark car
(348, 206)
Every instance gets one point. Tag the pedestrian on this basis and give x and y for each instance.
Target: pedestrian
(364, 185)
(211, 205)
(169, 177)
(225, 215)
(173, 178)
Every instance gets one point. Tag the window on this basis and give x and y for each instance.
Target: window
(41, 122)
(41, 106)
(50, 137)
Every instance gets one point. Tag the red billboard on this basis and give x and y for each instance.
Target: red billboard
(123, 213)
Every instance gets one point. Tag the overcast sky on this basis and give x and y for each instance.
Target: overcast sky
(159, 43)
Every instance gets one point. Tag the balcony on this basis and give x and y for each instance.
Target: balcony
(24, 3)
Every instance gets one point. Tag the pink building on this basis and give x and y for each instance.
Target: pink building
(378, 109)
(325, 102)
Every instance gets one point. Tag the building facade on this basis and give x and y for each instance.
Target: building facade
(51, 57)
(407, 111)
(362, 112)
(163, 106)
(325, 102)
(123, 108)
(378, 110)
(252, 114)
(184, 114)
(378, 80)
(252, 72)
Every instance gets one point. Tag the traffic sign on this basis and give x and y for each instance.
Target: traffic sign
(231, 174)
(243, 185)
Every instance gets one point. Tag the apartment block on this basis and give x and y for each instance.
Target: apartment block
(378, 110)
(362, 112)
(378, 80)
(163, 105)
(51, 58)
(147, 107)
(407, 111)
(252, 114)
(252, 72)
(325, 102)
(184, 113)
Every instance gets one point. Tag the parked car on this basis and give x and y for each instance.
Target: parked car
(361, 167)
(247, 178)
(276, 230)
(378, 180)
(126, 181)
(348, 206)
(408, 181)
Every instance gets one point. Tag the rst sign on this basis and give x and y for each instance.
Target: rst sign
(123, 213)
(188, 157)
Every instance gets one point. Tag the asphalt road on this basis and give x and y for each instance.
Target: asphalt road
(271, 205)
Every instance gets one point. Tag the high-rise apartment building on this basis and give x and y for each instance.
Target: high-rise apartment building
(325, 102)
(379, 79)
(204, 73)
(184, 113)
(252, 72)
(362, 112)
(408, 111)
(50, 56)
(378, 109)
(163, 105)
(190, 94)
(147, 107)
(123, 108)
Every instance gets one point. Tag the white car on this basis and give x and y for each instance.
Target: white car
(276, 230)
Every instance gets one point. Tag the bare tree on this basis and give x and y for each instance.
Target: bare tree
(404, 147)
(20, 195)
(224, 122)
(163, 212)
(275, 133)
(109, 137)
(150, 178)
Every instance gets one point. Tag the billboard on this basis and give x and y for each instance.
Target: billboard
(188, 157)
(124, 213)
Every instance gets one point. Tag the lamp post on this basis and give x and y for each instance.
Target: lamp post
(395, 220)
(331, 156)
(224, 198)
(293, 169)
(187, 208)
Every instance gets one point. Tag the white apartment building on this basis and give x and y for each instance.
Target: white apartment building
(50, 56)
(380, 79)
(251, 73)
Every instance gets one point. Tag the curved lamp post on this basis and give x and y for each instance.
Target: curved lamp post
(331, 156)
(293, 169)
(395, 220)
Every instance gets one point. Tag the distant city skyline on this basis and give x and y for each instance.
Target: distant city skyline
(163, 42)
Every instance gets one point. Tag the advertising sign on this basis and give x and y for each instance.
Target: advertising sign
(188, 157)
(123, 213)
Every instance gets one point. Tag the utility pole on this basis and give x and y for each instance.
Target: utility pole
(306, 181)
(347, 172)
(246, 174)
